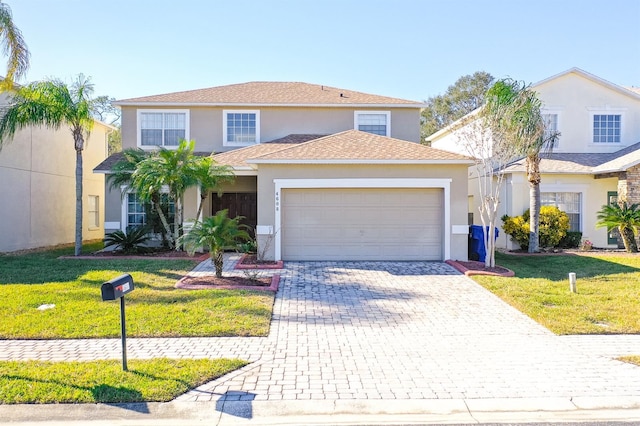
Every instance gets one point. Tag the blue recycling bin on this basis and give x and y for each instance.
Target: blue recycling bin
(476, 242)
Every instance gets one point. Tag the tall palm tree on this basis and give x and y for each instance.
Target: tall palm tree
(210, 176)
(14, 46)
(514, 113)
(624, 217)
(54, 104)
(218, 233)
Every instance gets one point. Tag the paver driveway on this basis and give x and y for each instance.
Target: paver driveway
(418, 330)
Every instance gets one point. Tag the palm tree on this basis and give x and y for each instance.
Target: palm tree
(14, 46)
(174, 169)
(218, 233)
(54, 104)
(513, 113)
(626, 218)
(210, 176)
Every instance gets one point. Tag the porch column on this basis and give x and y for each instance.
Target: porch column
(629, 185)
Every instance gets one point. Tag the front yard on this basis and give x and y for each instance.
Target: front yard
(154, 309)
(607, 301)
(71, 289)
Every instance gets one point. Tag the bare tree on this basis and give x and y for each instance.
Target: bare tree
(491, 155)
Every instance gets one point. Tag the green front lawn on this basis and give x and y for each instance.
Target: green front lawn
(154, 308)
(163, 379)
(607, 301)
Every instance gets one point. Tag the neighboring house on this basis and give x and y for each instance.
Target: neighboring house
(322, 173)
(595, 161)
(37, 171)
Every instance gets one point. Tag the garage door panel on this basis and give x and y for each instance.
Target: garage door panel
(362, 224)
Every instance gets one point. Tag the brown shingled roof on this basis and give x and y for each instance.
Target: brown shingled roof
(269, 93)
(359, 147)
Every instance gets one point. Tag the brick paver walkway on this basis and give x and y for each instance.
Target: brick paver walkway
(385, 330)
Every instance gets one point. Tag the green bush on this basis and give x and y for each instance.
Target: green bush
(571, 240)
(554, 225)
(128, 242)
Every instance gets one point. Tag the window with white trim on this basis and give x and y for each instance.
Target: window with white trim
(376, 122)
(139, 213)
(550, 127)
(241, 127)
(162, 128)
(606, 128)
(568, 202)
(93, 207)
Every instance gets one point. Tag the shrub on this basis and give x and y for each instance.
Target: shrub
(554, 225)
(128, 242)
(571, 240)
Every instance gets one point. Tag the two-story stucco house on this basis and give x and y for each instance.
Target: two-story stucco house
(321, 173)
(37, 175)
(595, 161)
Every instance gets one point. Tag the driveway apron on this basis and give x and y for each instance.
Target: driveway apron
(409, 330)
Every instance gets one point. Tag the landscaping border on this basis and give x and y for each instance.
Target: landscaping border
(278, 264)
(480, 271)
(275, 283)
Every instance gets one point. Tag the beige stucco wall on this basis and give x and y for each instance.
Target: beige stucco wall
(37, 171)
(206, 124)
(575, 98)
(458, 173)
(515, 200)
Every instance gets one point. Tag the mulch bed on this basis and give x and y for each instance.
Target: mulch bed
(473, 267)
(209, 282)
(250, 261)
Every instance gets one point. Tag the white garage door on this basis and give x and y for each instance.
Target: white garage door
(362, 224)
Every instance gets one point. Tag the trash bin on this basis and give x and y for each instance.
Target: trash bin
(476, 242)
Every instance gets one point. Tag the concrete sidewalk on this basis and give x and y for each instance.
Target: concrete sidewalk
(374, 343)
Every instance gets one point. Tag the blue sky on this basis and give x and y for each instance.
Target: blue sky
(403, 48)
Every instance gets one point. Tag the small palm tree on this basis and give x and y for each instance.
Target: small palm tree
(626, 218)
(128, 242)
(210, 176)
(218, 233)
(54, 104)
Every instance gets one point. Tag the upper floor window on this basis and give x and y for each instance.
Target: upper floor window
(162, 128)
(550, 127)
(376, 122)
(606, 128)
(241, 127)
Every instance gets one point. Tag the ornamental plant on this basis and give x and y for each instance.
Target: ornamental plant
(554, 225)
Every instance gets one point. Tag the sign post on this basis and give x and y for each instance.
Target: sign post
(116, 289)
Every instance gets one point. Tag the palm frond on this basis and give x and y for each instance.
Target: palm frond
(13, 46)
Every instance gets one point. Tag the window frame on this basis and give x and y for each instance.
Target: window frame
(593, 111)
(163, 111)
(93, 215)
(225, 129)
(555, 112)
(581, 203)
(124, 223)
(357, 114)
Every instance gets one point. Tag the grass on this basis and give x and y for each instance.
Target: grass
(29, 382)
(607, 301)
(154, 308)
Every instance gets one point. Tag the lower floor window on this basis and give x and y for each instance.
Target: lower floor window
(94, 211)
(568, 202)
(140, 214)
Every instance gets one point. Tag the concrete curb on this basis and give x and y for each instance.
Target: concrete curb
(344, 412)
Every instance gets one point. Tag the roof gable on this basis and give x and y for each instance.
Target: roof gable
(592, 78)
(269, 93)
(356, 147)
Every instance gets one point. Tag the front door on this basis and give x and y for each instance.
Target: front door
(612, 237)
(239, 204)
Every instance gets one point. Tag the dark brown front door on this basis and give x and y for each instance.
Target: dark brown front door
(239, 204)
